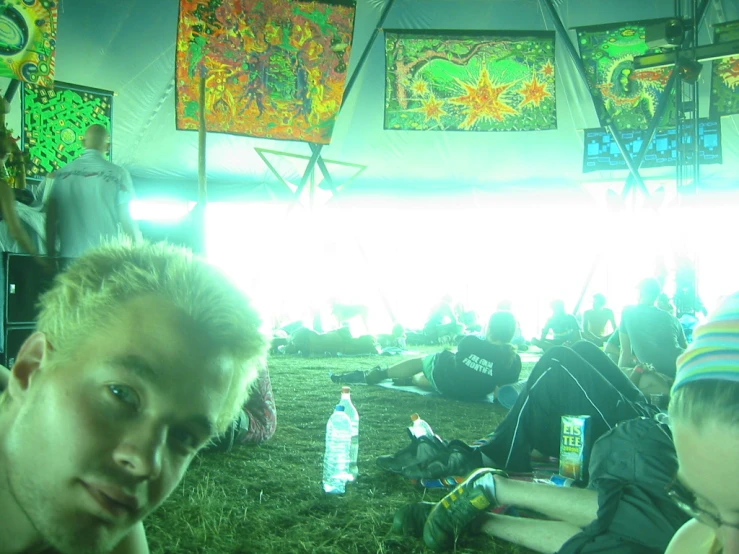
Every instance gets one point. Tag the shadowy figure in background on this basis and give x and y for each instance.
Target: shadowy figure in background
(596, 320)
(564, 327)
(649, 335)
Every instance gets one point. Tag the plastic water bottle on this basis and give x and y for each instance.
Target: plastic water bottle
(351, 411)
(336, 458)
(420, 428)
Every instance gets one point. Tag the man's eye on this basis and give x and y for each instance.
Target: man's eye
(185, 438)
(124, 394)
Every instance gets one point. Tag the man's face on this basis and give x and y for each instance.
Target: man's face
(708, 459)
(96, 445)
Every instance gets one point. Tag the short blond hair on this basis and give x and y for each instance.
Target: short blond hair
(85, 295)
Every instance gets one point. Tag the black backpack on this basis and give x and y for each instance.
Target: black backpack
(631, 467)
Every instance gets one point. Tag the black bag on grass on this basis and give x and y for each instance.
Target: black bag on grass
(631, 468)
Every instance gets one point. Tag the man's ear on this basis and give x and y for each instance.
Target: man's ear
(27, 363)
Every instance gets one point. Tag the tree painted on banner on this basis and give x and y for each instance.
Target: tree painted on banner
(55, 120)
(438, 80)
(629, 97)
(28, 40)
(273, 68)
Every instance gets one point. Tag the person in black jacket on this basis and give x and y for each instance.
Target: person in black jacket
(477, 368)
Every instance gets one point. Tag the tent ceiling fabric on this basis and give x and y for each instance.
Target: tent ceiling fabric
(129, 47)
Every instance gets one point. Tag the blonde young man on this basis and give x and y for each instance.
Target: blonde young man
(143, 354)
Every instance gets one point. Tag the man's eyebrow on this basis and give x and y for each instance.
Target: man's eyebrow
(138, 366)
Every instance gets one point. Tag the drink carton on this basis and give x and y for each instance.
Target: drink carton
(574, 438)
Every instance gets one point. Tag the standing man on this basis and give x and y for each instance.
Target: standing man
(89, 200)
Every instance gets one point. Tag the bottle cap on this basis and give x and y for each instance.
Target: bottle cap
(339, 408)
(346, 390)
(415, 417)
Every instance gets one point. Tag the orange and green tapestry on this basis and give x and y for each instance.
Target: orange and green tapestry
(725, 77)
(469, 81)
(28, 40)
(630, 97)
(273, 68)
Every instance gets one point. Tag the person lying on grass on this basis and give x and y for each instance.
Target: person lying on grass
(142, 355)
(474, 371)
(647, 479)
(256, 422)
(580, 380)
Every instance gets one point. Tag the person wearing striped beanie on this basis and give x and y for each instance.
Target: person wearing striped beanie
(704, 418)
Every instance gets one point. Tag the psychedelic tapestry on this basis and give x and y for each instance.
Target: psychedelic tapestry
(55, 121)
(28, 40)
(469, 81)
(273, 68)
(630, 97)
(725, 77)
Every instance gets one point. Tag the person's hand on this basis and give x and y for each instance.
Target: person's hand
(4, 106)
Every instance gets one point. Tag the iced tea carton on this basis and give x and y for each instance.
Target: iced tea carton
(572, 448)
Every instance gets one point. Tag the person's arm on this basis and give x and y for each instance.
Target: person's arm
(125, 196)
(627, 357)
(692, 538)
(15, 225)
(128, 224)
(612, 320)
(681, 340)
(52, 220)
(545, 331)
(260, 411)
(133, 543)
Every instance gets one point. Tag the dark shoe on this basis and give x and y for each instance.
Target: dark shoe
(410, 520)
(376, 375)
(353, 378)
(459, 509)
(419, 451)
(456, 459)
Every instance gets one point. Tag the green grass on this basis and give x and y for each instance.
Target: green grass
(268, 499)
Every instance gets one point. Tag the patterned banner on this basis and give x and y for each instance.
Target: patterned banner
(274, 68)
(630, 97)
(28, 40)
(480, 81)
(725, 78)
(55, 121)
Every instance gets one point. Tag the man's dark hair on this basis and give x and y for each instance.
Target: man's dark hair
(649, 290)
(501, 327)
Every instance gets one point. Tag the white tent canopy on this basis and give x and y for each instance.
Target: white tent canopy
(129, 48)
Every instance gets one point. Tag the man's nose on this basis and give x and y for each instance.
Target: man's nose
(140, 451)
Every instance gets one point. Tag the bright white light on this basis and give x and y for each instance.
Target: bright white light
(160, 210)
(414, 253)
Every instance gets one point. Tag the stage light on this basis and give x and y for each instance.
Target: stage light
(665, 34)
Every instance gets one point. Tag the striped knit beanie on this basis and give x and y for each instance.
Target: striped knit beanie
(714, 352)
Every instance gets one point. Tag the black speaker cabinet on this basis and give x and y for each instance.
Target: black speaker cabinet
(14, 339)
(25, 282)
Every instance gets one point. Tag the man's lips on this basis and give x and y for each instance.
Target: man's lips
(113, 500)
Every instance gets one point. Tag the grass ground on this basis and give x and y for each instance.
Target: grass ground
(268, 499)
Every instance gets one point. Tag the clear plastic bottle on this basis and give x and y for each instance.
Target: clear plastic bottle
(351, 411)
(336, 457)
(420, 428)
